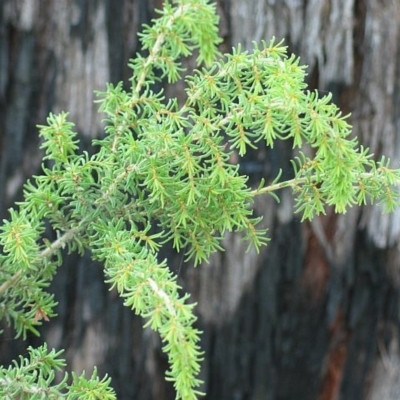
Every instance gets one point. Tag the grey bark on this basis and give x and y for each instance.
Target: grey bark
(316, 314)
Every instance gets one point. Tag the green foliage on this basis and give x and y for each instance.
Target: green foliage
(32, 379)
(163, 173)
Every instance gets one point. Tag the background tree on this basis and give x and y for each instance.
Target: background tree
(316, 314)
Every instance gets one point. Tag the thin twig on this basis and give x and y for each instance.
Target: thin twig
(280, 185)
(48, 251)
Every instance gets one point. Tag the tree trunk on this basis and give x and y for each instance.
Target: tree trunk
(316, 314)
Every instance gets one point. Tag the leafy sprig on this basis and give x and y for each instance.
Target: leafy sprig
(34, 378)
(162, 173)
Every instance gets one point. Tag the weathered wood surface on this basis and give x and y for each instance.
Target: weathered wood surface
(316, 315)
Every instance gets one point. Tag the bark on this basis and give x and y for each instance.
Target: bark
(316, 314)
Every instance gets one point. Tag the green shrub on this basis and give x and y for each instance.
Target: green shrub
(168, 164)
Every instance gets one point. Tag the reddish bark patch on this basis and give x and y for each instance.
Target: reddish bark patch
(316, 270)
(335, 361)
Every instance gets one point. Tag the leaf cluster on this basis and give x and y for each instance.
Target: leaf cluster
(33, 378)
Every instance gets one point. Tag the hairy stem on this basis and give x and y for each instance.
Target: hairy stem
(281, 185)
(156, 48)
